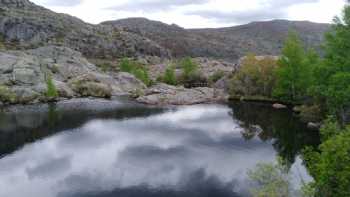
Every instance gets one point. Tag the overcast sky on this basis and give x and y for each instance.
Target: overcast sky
(198, 13)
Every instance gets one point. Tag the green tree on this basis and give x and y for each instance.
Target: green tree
(169, 76)
(51, 88)
(338, 95)
(293, 74)
(190, 72)
(329, 165)
(255, 78)
(332, 77)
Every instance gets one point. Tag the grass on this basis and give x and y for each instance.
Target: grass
(6, 95)
(135, 68)
(51, 88)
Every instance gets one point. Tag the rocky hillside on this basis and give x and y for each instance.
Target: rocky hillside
(25, 25)
(262, 38)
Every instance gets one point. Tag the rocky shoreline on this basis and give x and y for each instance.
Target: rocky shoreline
(24, 75)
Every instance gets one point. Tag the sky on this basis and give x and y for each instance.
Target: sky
(198, 13)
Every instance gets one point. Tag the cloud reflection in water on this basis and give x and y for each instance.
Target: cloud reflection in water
(187, 151)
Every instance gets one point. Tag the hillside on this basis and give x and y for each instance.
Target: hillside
(228, 43)
(25, 25)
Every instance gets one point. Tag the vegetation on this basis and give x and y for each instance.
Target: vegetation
(216, 76)
(270, 180)
(138, 70)
(331, 78)
(6, 95)
(329, 165)
(322, 85)
(294, 72)
(255, 78)
(51, 88)
(2, 41)
(169, 76)
(190, 73)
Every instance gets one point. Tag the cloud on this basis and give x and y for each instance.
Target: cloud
(50, 168)
(155, 5)
(270, 9)
(63, 3)
(239, 16)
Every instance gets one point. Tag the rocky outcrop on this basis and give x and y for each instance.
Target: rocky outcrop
(206, 66)
(162, 94)
(24, 75)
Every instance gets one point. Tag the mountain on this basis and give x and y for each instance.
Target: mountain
(261, 38)
(24, 25)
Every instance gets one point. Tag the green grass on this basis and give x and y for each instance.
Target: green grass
(51, 88)
(135, 68)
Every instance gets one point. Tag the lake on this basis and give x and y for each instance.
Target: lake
(99, 148)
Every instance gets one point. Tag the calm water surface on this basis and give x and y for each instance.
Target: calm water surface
(101, 148)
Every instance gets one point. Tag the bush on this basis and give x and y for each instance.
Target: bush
(51, 88)
(329, 166)
(169, 76)
(216, 76)
(189, 70)
(6, 95)
(312, 113)
(255, 78)
(190, 73)
(138, 70)
(142, 75)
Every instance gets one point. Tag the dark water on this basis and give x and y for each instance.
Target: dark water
(102, 149)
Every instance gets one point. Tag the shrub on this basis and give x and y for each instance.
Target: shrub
(312, 113)
(169, 76)
(127, 65)
(138, 70)
(189, 70)
(329, 166)
(216, 76)
(190, 73)
(256, 78)
(51, 88)
(6, 95)
(142, 74)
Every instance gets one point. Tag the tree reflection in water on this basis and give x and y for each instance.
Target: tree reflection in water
(288, 135)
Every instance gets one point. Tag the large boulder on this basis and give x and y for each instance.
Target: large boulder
(163, 94)
(210, 67)
(128, 84)
(89, 85)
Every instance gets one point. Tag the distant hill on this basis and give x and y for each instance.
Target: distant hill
(231, 42)
(25, 25)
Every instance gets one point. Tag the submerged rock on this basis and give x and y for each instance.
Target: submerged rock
(314, 126)
(279, 106)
